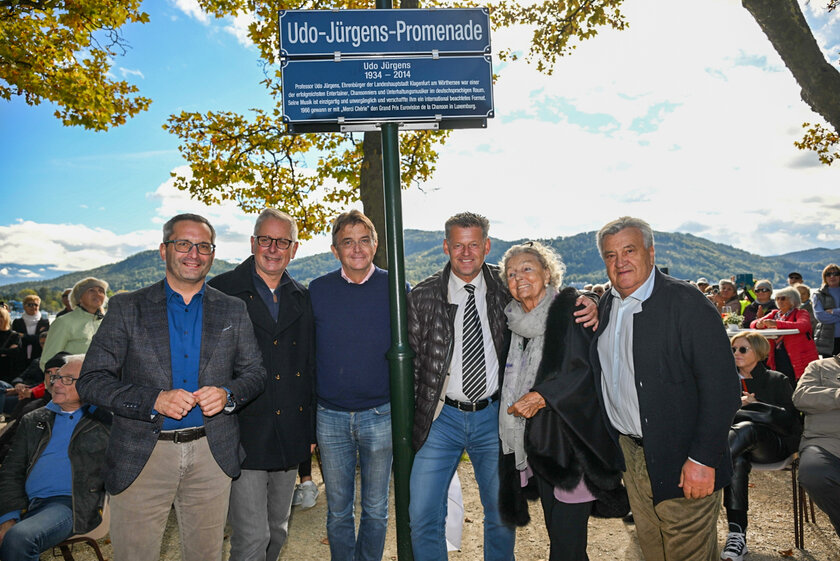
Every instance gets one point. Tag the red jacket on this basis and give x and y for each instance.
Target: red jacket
(800, 347)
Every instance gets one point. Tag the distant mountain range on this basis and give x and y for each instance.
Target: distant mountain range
(686, 256)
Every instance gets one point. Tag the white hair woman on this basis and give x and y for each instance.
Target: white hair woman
(553, 435)
(789, 354)
(73, 331)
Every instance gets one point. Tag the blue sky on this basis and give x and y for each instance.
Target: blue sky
(686, 119)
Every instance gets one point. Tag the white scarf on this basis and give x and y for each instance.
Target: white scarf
(521, 369)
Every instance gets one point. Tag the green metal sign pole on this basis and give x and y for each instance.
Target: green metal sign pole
(400, 353)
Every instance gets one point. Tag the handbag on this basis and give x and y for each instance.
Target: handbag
(777, 419)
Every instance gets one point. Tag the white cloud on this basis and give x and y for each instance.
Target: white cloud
(192, 9)
(130, 72)
(238, 27)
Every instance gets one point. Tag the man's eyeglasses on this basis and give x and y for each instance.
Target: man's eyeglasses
(279, 243)
(185, 246)
(762, 290)
(363, 243)
(742, 350)
(31, 304)
(833, 274)
(65, 380)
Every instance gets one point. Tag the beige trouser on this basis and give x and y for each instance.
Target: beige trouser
(184, 474)
(673, 530)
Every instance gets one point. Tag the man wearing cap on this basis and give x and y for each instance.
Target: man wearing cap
(763, 303)
(51, 482)
(173, 361)
(794, 278)
(702, 284)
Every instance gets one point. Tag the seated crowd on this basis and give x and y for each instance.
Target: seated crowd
(53, 473)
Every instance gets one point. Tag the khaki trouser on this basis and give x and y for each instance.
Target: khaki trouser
(187, 475)
(676, 529)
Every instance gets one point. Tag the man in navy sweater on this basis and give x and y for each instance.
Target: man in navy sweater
(352, 335)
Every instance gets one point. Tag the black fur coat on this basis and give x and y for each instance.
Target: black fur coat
(567, 439)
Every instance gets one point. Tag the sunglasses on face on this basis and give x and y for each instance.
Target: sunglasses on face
(832, 274)
(742, 350)
(762, 290)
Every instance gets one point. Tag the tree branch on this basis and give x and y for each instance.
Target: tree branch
(785, 26)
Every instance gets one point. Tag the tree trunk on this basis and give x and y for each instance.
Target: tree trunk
(371, 186)
(372, 191)
(783, 23)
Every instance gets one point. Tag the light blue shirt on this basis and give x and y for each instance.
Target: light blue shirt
(615, 350)
(52, 475)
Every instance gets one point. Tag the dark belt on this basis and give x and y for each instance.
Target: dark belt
(636, 440)
(471, 406)
(183, 435)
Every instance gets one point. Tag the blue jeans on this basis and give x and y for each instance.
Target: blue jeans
(47, 523)
(451, 433)
(341, 436)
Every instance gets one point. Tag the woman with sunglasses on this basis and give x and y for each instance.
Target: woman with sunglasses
(826, 301)
(763, 303)
(789, 354)
(751, 441)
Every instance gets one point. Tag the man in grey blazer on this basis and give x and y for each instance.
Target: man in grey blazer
(172, 361)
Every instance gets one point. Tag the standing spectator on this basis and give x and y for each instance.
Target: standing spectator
(352, 334)
(789, 354)
(763, 303)
(29, 325)
(794, 278)
(10, 341)
(702, 284)
(51, 481)
(827, 310)
(72, 332)
(173, 361)
(666, 378)
(807, 305)
(65, 299)
(818, 396)
(277, 429)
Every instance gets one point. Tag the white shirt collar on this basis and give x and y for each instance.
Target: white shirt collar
(456, 283)
(643, 292)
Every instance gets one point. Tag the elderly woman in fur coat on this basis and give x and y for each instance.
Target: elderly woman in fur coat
(554, 437)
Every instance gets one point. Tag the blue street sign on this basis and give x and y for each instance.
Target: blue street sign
(387, 88)
(314, 33)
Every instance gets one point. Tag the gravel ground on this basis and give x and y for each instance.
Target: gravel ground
(770, 533)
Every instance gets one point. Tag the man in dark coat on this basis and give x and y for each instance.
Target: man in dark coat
(667, 382)
(173, 361)
(277, 428)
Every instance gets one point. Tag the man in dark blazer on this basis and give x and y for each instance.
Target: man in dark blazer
(667, 383)
(172, 361)
(278, 427)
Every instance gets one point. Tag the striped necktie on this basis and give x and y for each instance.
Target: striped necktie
(473, 369)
